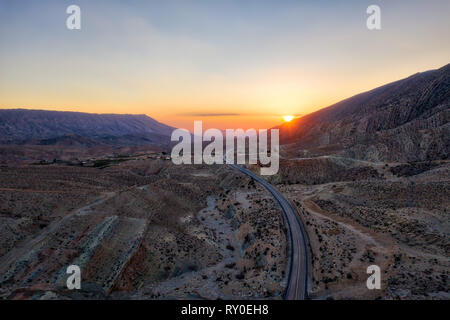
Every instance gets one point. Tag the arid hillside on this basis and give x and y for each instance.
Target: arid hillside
(360, 213)
(22, 124)
(370, 179)
(138, 228)
(407, 120)
(28, 136)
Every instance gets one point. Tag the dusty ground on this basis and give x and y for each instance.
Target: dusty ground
(140, 229)
(399, 222)
(146, 229)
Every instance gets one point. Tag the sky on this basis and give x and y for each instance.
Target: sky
(233, 64)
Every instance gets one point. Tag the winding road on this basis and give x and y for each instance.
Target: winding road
(298, 270)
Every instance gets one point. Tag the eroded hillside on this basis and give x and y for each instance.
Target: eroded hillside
(395, 217)
(143, 228)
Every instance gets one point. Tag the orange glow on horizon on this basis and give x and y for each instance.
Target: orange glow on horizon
(288, 118)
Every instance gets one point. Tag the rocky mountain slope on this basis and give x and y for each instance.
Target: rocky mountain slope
(407, 120)
(19, 125)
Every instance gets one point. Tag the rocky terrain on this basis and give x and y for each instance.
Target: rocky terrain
(369, 176)
(27, 136)
(398, 223)
(21, 124)
(142, 228)
(370, 179)
(403, 121)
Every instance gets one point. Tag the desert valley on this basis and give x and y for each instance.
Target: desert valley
(369, 177)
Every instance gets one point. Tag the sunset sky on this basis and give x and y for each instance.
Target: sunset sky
(229, 63)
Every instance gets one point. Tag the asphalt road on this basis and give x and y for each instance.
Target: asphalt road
(298, 271)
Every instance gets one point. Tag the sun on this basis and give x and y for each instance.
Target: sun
(288, 118)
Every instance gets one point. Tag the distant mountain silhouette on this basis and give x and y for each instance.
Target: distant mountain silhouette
(22, 126)
(407, 120)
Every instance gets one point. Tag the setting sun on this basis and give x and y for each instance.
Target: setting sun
(288, 118)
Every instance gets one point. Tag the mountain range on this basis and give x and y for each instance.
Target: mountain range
(20, 126)
(406, 120)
